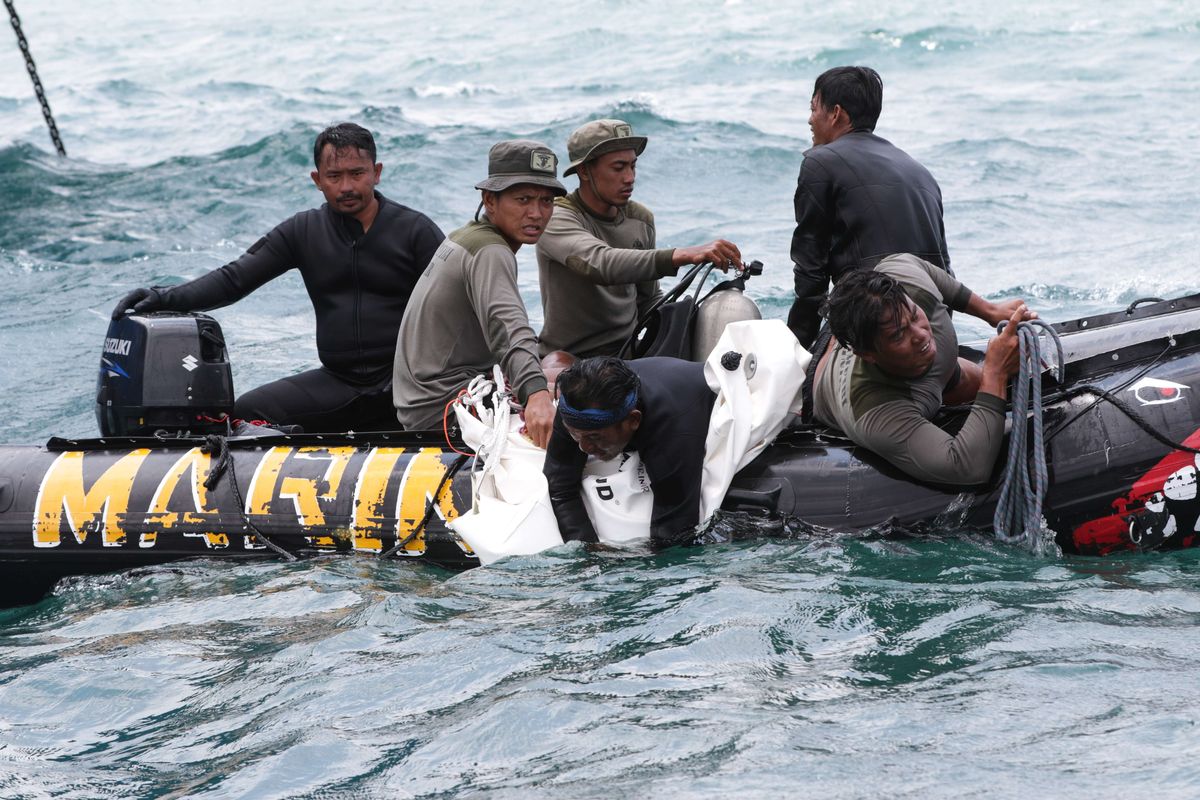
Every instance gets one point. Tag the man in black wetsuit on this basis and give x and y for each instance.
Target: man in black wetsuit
(360, 255)
(859, 198)
(659, 407)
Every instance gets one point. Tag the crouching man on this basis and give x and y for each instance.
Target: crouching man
(893, 362)
(658, 407)
(466, 313)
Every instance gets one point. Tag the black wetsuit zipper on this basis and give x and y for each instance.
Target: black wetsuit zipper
(357, 298)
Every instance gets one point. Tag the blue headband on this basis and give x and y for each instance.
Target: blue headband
(592, 419)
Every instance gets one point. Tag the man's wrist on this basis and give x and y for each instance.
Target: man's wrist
(993, 381)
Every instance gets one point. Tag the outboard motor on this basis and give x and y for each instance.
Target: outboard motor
(164, 371)
(726, 303)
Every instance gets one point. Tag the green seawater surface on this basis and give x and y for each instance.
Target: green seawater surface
(1063, 136)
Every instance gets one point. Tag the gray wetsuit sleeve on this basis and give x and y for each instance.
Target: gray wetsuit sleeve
(491, 281)
(568, 242)
(899, 433)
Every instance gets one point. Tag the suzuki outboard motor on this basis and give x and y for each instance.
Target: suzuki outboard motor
(164, 371)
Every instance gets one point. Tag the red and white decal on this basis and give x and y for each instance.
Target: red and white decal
(1161, 508)
(1156, 391)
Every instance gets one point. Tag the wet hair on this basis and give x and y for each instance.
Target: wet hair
(861, 303)
(603, 382)
(342, 136)
(858, 90)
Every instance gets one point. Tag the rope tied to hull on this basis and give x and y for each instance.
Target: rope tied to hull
(218, 445)
(23, 43)
(473, 398)
(1018, 516)
(430, 502)
(1019, 509)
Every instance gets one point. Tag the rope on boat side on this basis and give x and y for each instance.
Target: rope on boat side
(218, 445)
(1019, 510)
(1130, 412)
(429, 504)
(1018, 516)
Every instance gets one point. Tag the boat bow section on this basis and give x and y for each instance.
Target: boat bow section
(76, 507)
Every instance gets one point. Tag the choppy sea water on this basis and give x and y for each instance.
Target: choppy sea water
(1064, 139)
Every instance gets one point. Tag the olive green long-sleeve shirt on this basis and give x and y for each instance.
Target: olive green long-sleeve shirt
(597, 275)
(891, 416)
(465, 315)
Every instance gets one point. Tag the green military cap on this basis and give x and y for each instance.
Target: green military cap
(521, 161)
(599, 137)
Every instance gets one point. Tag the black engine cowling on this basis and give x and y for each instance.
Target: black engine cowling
(164, 371)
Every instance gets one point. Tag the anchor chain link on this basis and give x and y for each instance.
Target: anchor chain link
(23, 43)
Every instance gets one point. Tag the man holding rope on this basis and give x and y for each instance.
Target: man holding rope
(893, 362)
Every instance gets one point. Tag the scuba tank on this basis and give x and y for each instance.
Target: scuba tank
(726, 303)
(688, 326)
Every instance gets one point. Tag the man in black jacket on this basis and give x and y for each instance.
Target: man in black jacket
(658, 407)
(360, 255)
(859, 197)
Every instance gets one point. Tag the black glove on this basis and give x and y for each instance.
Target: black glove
(138, 301)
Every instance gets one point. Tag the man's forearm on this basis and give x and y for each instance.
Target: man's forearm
(984, 310)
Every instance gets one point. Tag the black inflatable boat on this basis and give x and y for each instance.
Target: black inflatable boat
(73, 507)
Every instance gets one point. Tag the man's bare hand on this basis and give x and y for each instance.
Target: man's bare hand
(539, 418)
(1003, 357)
(1006, 309)
(723, 254)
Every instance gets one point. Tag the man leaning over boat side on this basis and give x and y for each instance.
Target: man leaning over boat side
(858, 198)
(360, 255)
(893, 362)
(658, 407)
(466, 313)
(598, 265)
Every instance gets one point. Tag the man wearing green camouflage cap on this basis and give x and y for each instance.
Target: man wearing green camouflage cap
(597, 261)
(466, 312)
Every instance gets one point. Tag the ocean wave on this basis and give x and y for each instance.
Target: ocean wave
(459, 89)
(938, 37)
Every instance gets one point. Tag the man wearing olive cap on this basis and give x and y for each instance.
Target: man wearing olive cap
(597, 261)
(466, 312)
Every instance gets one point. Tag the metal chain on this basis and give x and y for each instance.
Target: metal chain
(37, 83)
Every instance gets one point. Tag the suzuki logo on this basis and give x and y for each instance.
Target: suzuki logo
(190, 362)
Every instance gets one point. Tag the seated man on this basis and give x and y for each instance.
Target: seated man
(659, 407)
(894, 361)
(360, 255)
(466, 313)
(597, 262)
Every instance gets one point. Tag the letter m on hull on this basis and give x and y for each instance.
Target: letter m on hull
(99, 508)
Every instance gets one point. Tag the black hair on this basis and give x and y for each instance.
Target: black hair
(342, 136)
(602, 382)
(860, 304)
(858, 90)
